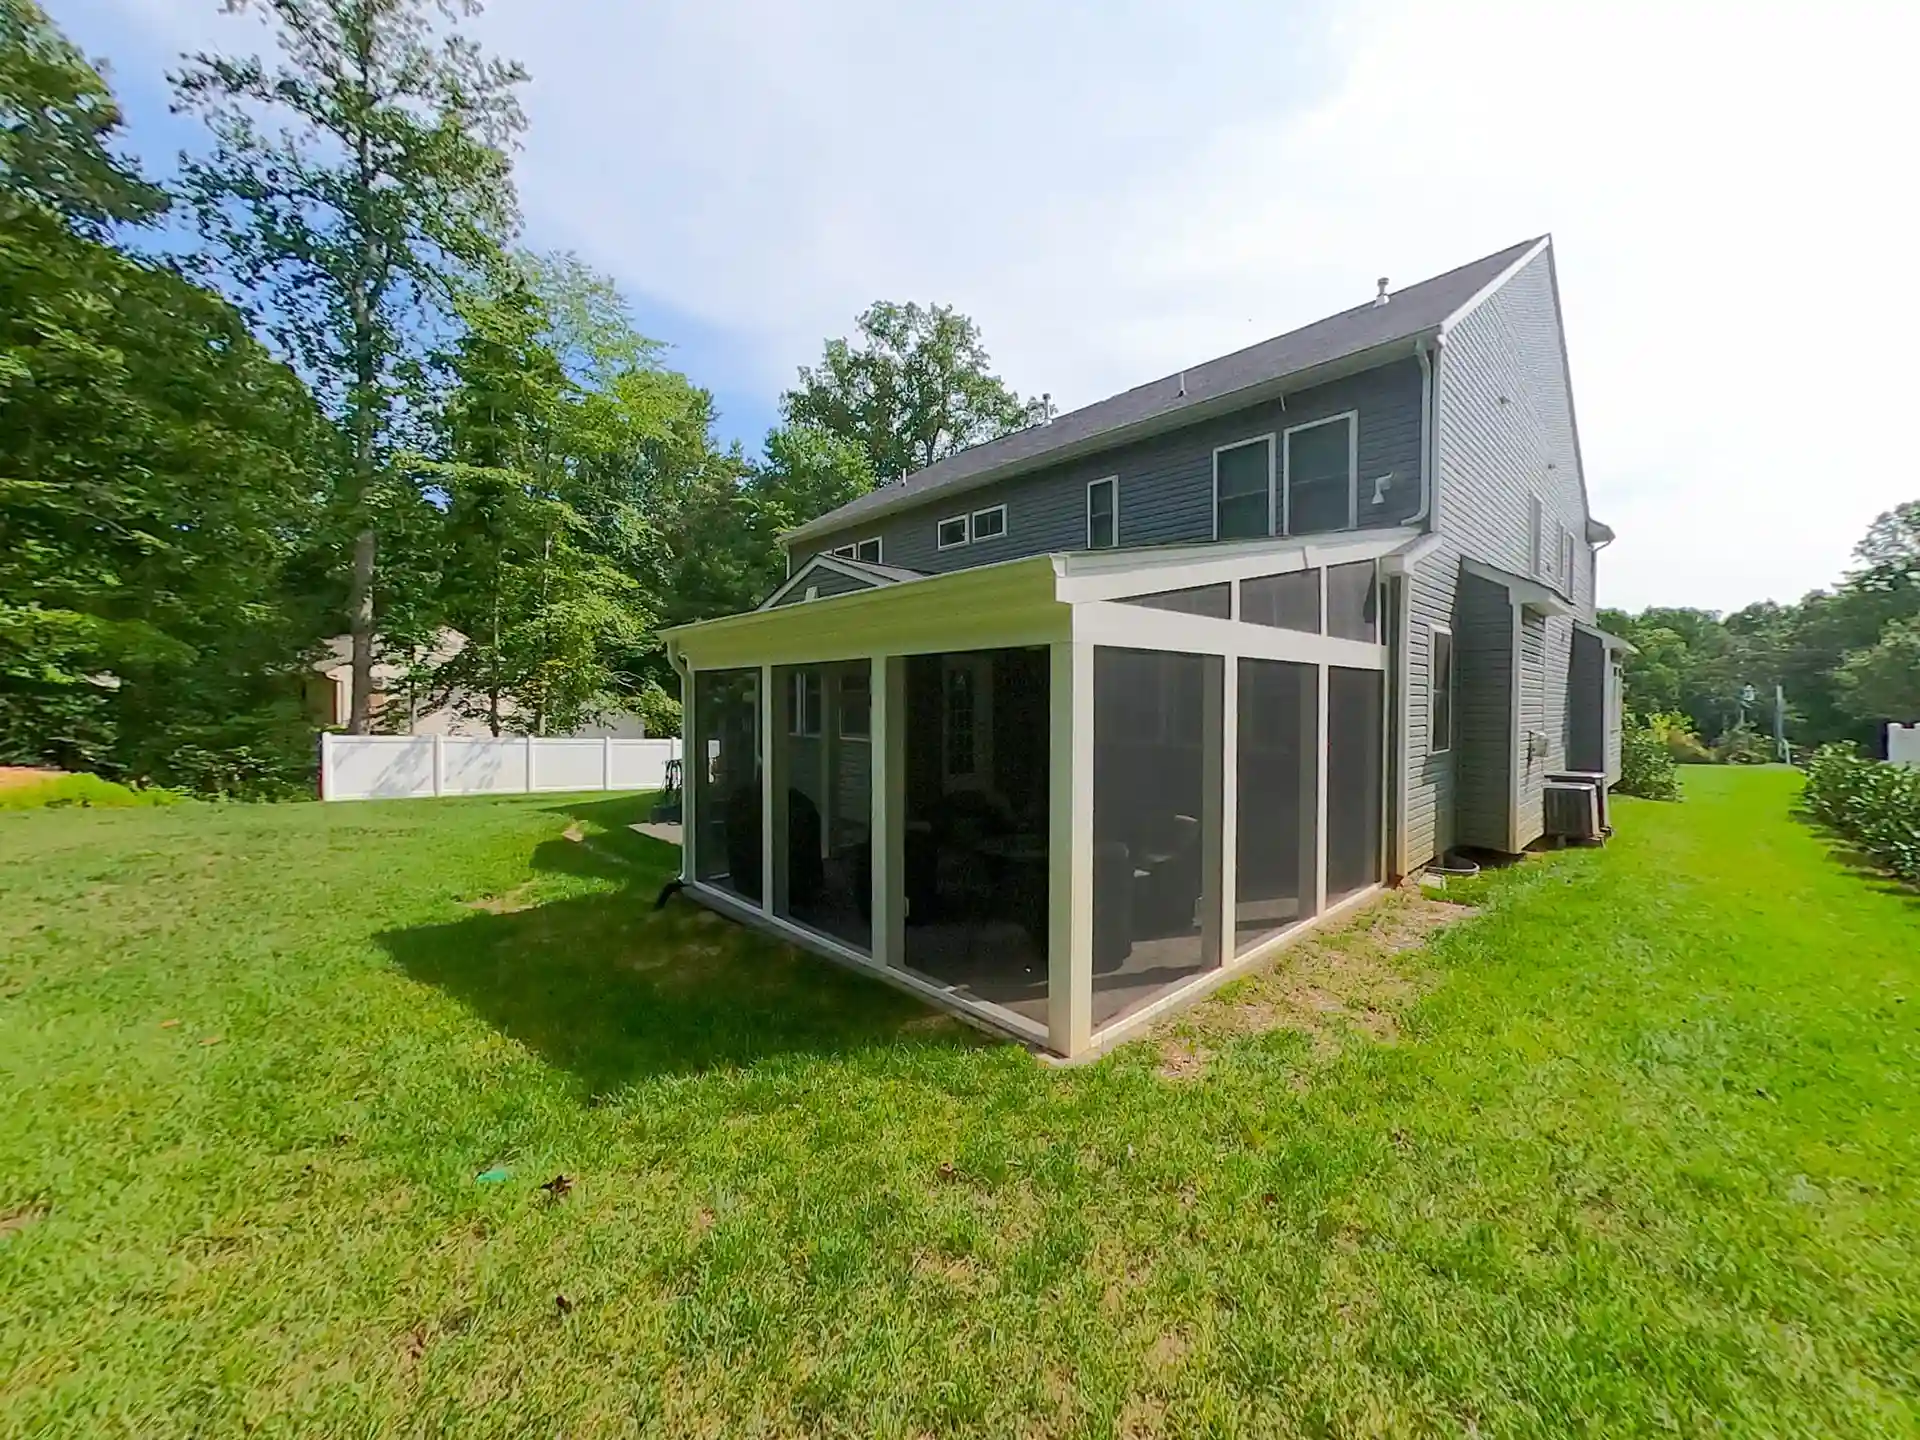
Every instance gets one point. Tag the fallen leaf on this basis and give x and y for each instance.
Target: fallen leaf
(948, 1170)
(562, 1304)
(559, 1187)
(211, 1040)
(416, 1343)
(573, 833)
(168, 1024)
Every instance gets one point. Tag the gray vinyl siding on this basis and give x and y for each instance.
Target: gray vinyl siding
(1166, 482)
(1507, 435)
(827, 582)
(1429, 824)
(1535, 747)
(1483, 651)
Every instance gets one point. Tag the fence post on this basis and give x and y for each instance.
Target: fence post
(326, 764)
(439, 765)
(529, 764)
(606, 762)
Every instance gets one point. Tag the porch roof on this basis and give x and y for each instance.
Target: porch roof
(1027, 601)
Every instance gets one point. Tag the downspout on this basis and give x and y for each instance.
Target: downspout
(1428, 351)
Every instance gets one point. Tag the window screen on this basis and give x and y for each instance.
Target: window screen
(1353, 602)
(952, 532)
(1241, 485)
(1320, 477)
(1212, 600)
(1440, 727)
(1353, 780)
(725, 761)
(1278, 806)
(990, 524)
(804, 702)
(822, 804)
(1103, 528)
(1285, 602)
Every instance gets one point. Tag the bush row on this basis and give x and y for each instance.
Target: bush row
(1646, 761)
(1872, 803)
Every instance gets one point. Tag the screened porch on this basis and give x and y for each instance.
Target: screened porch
(1060, 794)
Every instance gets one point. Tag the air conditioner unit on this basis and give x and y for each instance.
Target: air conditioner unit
(1595, 778)
(1573, 810)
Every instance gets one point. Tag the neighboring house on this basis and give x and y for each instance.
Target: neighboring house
(1067, 726)
(401, 709)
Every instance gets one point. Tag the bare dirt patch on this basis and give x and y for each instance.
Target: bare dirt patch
(1332, 986)
(12, 776)
(20, 1218)
(514, 900)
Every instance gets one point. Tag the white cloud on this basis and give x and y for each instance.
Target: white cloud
(1118, 190)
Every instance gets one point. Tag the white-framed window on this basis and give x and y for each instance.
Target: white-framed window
(856, 708)
(1322, 474)
(841, 552)
(1568, 560)
(1536, 536)
(989, 524)
(1243, 489)
(951, 533)
(1103, 513)
(868, 550)
(806, 699)
(1440, 672)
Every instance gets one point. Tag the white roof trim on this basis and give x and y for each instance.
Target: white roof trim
(1404, 562)
(851, 569)
(1112, 574)
(1608, 640)
(1529, 593)
(1481, 295)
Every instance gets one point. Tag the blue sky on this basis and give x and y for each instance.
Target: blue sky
(1116, 190)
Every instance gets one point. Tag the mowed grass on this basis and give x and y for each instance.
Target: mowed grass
(1637, 1150)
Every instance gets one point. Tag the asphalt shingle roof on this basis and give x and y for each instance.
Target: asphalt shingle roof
(1410, 311)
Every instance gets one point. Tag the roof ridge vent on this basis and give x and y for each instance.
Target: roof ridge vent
(1381, 298)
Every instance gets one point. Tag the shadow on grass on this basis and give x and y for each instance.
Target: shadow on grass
(613, 991)
(1842, 852)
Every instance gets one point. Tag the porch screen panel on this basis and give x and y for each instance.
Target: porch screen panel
(1284, 602)
(1277, 782)
(1157, 778)
(725, 764)
(1353, 602)
(1354, 762)
(823, 799)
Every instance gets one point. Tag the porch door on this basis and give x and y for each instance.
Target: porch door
(966, 722)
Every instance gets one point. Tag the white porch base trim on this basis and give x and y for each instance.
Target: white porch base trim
(1123, 1030)
(984, 1014)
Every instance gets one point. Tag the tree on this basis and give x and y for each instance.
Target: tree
(914, 387)
(156, 465)
(350, 186)
(1882, 682)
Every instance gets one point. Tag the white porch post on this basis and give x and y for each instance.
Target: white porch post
(1229, 807)
(769, 814)
(1216, 921)
(1324, 673)
(691, 753)
(887, 689)
(1070, 847)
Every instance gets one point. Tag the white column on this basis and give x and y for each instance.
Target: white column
(887, 739)
(769, 815)
(1229, 807)
(1070, 847)
(326, 764)
(439, 764)
(689, 819)
(1213, 775)
(606, 762)
(1325, 673)
(529, 754)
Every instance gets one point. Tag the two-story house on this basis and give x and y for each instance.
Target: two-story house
(1068, 726)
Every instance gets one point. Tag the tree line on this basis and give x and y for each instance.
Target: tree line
(311, 385)
(1847, 659)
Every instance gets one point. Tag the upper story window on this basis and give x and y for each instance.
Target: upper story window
(1536, 536)
(1243, 490)
(806, 700)
(1103, 513)
(1322, 473)
(867, 550)
(958, 530)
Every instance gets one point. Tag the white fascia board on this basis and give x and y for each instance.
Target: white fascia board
(1528, 593)
(1407, 559)
(1480, 296)
(1115, 574)
(817, 562)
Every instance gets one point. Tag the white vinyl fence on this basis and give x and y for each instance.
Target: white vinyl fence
(1903, 744)
(382, 767)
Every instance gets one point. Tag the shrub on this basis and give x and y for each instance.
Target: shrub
(1743, 745)
(1874, 804)
(1646, 762)
(84, 790)
(1675, 731)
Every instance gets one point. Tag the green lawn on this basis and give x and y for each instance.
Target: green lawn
(1637, 1149)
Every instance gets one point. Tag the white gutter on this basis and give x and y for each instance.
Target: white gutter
(1429, 425)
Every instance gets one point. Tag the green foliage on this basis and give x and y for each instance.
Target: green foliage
(1882, 681)
(86, 791)
(1874, 804)
(912, 388)
(1676, 735)
(1646, 761)
(1743, 745)
(660, 711)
